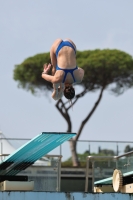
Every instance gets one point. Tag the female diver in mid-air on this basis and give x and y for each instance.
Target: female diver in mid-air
(64, 69)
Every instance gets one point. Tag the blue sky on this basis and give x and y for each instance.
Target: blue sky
(30, 27)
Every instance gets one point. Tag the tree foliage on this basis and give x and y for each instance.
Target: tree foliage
(128, 149)
(28, 73)
(105, 67)
(102, 68)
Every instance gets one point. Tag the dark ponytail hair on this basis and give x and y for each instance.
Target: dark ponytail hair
(69, 92)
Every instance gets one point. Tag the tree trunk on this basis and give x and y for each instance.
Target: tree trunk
(82, 126)
(75, 161)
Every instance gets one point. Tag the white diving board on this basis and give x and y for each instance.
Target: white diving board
(33, 150)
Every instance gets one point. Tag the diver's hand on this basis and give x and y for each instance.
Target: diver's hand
(46, 68)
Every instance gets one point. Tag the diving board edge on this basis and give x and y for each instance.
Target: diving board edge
(66, 133)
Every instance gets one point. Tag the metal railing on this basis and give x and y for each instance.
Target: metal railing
(89, 146)
(123, 162)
